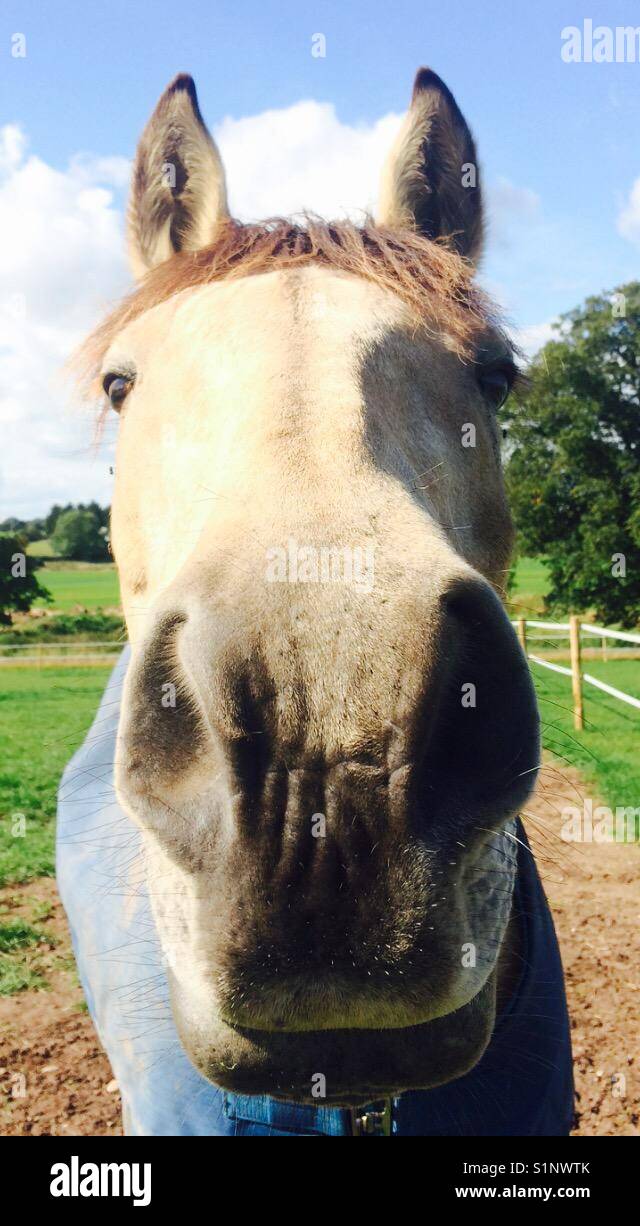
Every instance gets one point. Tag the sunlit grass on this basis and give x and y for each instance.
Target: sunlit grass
(606, 751)
(44, 715)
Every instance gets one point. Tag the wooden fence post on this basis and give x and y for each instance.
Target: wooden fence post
(576, 672)
(522, 633)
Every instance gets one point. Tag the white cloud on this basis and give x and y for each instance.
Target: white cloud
(629, 216)
(508, 209)
(13, 143)
(506, 199)
(534, 337)
(62, 264)
(281, 162)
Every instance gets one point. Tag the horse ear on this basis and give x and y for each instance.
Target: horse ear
(431, 180)
(178, 192)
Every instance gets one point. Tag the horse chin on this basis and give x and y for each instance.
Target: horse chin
(343, 1067)
(368, 1045)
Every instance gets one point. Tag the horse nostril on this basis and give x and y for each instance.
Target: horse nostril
(161, 729)
(483, 750)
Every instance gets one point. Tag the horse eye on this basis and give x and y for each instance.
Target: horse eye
(496, 383)
(117, 387)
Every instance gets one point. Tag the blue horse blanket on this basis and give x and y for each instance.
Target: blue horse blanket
(522, 1086)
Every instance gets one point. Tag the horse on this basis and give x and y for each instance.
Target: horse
(326, 726)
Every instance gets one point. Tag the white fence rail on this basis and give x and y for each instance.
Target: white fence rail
(57, 651)
(602, 632)
(70, 642)
(610, 689)
(555, 668)
(574, 629)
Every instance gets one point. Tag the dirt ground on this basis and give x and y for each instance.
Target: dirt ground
(55, 1080)
(594, 896)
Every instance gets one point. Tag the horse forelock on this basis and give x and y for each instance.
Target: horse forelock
(430, 277)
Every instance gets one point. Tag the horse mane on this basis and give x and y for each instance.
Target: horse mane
(431, 278)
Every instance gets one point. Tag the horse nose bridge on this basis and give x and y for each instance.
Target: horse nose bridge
(326, 663)
(280, 672)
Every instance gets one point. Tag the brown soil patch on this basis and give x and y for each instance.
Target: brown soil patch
(594, 896)
(55, 1079)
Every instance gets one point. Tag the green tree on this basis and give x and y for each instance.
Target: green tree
(19, 586)
(78, 535)
(50, 519)
(574, 443)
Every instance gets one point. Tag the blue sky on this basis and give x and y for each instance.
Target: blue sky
(558, 143)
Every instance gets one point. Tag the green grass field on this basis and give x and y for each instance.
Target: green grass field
(530, 586)
(41, 549)
(44, 714)
(93, 585)
(606, 751)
